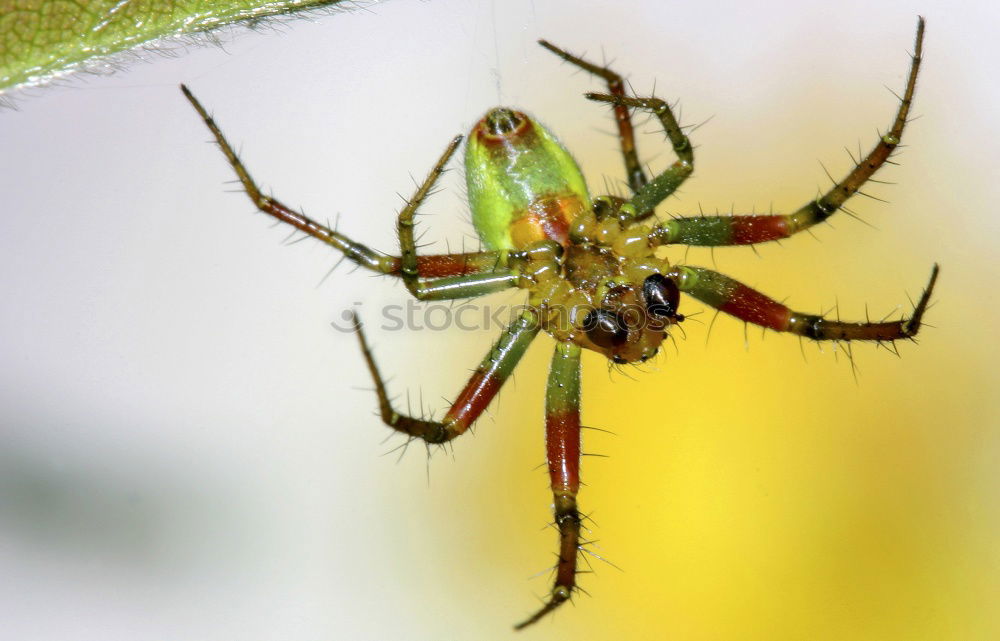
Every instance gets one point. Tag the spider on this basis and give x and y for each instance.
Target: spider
(589, 266)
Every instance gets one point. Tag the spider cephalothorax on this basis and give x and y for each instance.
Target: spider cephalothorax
(589, 266)
(620, 306)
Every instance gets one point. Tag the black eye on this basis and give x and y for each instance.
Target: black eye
(606, 329)
(661, 296)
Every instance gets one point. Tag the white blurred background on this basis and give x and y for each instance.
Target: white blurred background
(188, 450)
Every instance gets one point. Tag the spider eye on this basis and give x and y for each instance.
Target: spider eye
(661, 295)
(606, 329)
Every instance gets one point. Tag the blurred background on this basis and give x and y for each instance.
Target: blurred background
(188, 449)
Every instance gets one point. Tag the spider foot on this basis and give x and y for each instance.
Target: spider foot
(568, 521)
(912, 325)
(559, 596)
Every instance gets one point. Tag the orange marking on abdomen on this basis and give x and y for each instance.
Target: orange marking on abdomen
(546, 219)
(522, 135)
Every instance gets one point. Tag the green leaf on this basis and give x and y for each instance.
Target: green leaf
(44, 39)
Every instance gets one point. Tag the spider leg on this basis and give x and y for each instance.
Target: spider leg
(654, 192)
(734, 298)
(623, 117)
(562, 438)
(473, 399)
(461, 286)
(751, 229)
(437, 266)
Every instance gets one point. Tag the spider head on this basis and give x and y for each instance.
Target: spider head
(632, 318)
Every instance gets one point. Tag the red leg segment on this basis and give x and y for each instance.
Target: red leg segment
(477, 394)
(623, 118)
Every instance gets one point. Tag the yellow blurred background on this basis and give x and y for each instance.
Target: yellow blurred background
(189, 449)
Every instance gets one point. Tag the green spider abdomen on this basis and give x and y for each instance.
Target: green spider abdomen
(523, 185)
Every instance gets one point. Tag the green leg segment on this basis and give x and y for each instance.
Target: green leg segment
(654, 192)
(751, 229)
